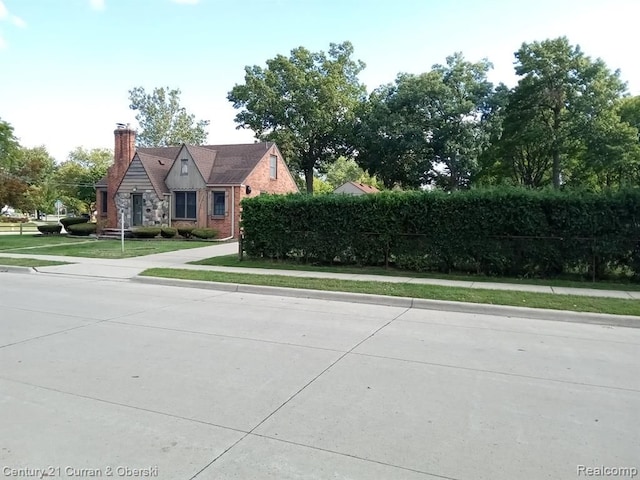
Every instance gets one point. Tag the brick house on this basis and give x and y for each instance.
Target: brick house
(187, 185)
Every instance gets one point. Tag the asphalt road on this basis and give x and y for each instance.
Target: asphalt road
(135, 380)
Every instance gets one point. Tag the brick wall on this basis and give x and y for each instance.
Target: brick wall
(260, 179)
(124, 149)
(223, 225)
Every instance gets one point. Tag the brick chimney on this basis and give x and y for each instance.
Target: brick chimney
(124, 149)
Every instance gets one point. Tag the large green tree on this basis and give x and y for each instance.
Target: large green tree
(565, 98)
(25, 174)
(428, 128)
(305, 103)
(10, 184)
(163, 121)
(36, 169)
(347, 170)
(76, 177)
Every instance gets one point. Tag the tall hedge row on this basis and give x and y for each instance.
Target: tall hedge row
(505, 232)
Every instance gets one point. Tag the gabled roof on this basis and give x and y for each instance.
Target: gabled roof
(203, 158)
(102, 182)
(234, 163)
(218, 164)
(362, 187)
(156, 168)
(165, 152)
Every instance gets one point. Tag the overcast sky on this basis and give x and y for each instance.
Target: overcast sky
(66, 65)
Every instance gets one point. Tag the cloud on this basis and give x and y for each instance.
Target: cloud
(15, 20)
(18, 22)
(186, 2)
(97, 4)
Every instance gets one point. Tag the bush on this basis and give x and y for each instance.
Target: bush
(82, 229)
(50, 229)
(5, 219)
(146, 232)
(204, 233)
(168, 232)
(185, 231)
(505, 231)
(66, 221)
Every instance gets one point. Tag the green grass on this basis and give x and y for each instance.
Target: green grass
(434, 292)
(29, 262)
(84, 247)
(14, 242)
(232, 261)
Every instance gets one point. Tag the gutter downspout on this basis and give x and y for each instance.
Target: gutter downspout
(233, 216)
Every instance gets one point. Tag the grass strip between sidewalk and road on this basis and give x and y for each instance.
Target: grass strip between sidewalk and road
(29, 262)
(571, 282)
(433, 292)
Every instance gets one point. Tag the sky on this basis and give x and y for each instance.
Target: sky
(66, 66)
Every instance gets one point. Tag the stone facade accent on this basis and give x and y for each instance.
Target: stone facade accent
(155, 210)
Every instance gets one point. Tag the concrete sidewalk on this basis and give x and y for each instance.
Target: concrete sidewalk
(127, 268)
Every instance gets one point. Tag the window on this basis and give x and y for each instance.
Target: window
(273, 167)
(184, 167)
(185, 205)
(103, 202)
(219, 207)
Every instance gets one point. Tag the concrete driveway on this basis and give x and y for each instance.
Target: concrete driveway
(112, 377)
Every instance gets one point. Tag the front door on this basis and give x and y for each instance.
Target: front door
(137, 210)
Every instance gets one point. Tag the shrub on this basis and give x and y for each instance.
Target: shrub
(5, 219)
(506, 231)
(146, 232)
(50, 229)
(204, 233)
(66, 221)
(185, 231)
(168, 232)
(82, 229)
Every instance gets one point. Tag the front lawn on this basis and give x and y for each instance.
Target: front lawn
(84, 247)
(573, 282)
(434, 292)
(14, 242)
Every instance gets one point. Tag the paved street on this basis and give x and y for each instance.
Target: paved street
(109, 375)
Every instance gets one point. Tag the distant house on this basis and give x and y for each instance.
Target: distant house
(187, 184)
(355, 188)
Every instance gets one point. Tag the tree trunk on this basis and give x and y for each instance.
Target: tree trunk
(308, 178)
(556, 148)
(556, 168)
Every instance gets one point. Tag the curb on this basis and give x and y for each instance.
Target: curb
(405, 302)
(14, 269)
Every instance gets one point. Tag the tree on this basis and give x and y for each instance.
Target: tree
(522, 151)
(427, 128)
(392, 131)
(76, 177)
(10, 185)
(305, 103)
(459, 112)
(36, 170)
(347, 170)
(629, 110)
(564, 91)
(163, 121)
(321, 186)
